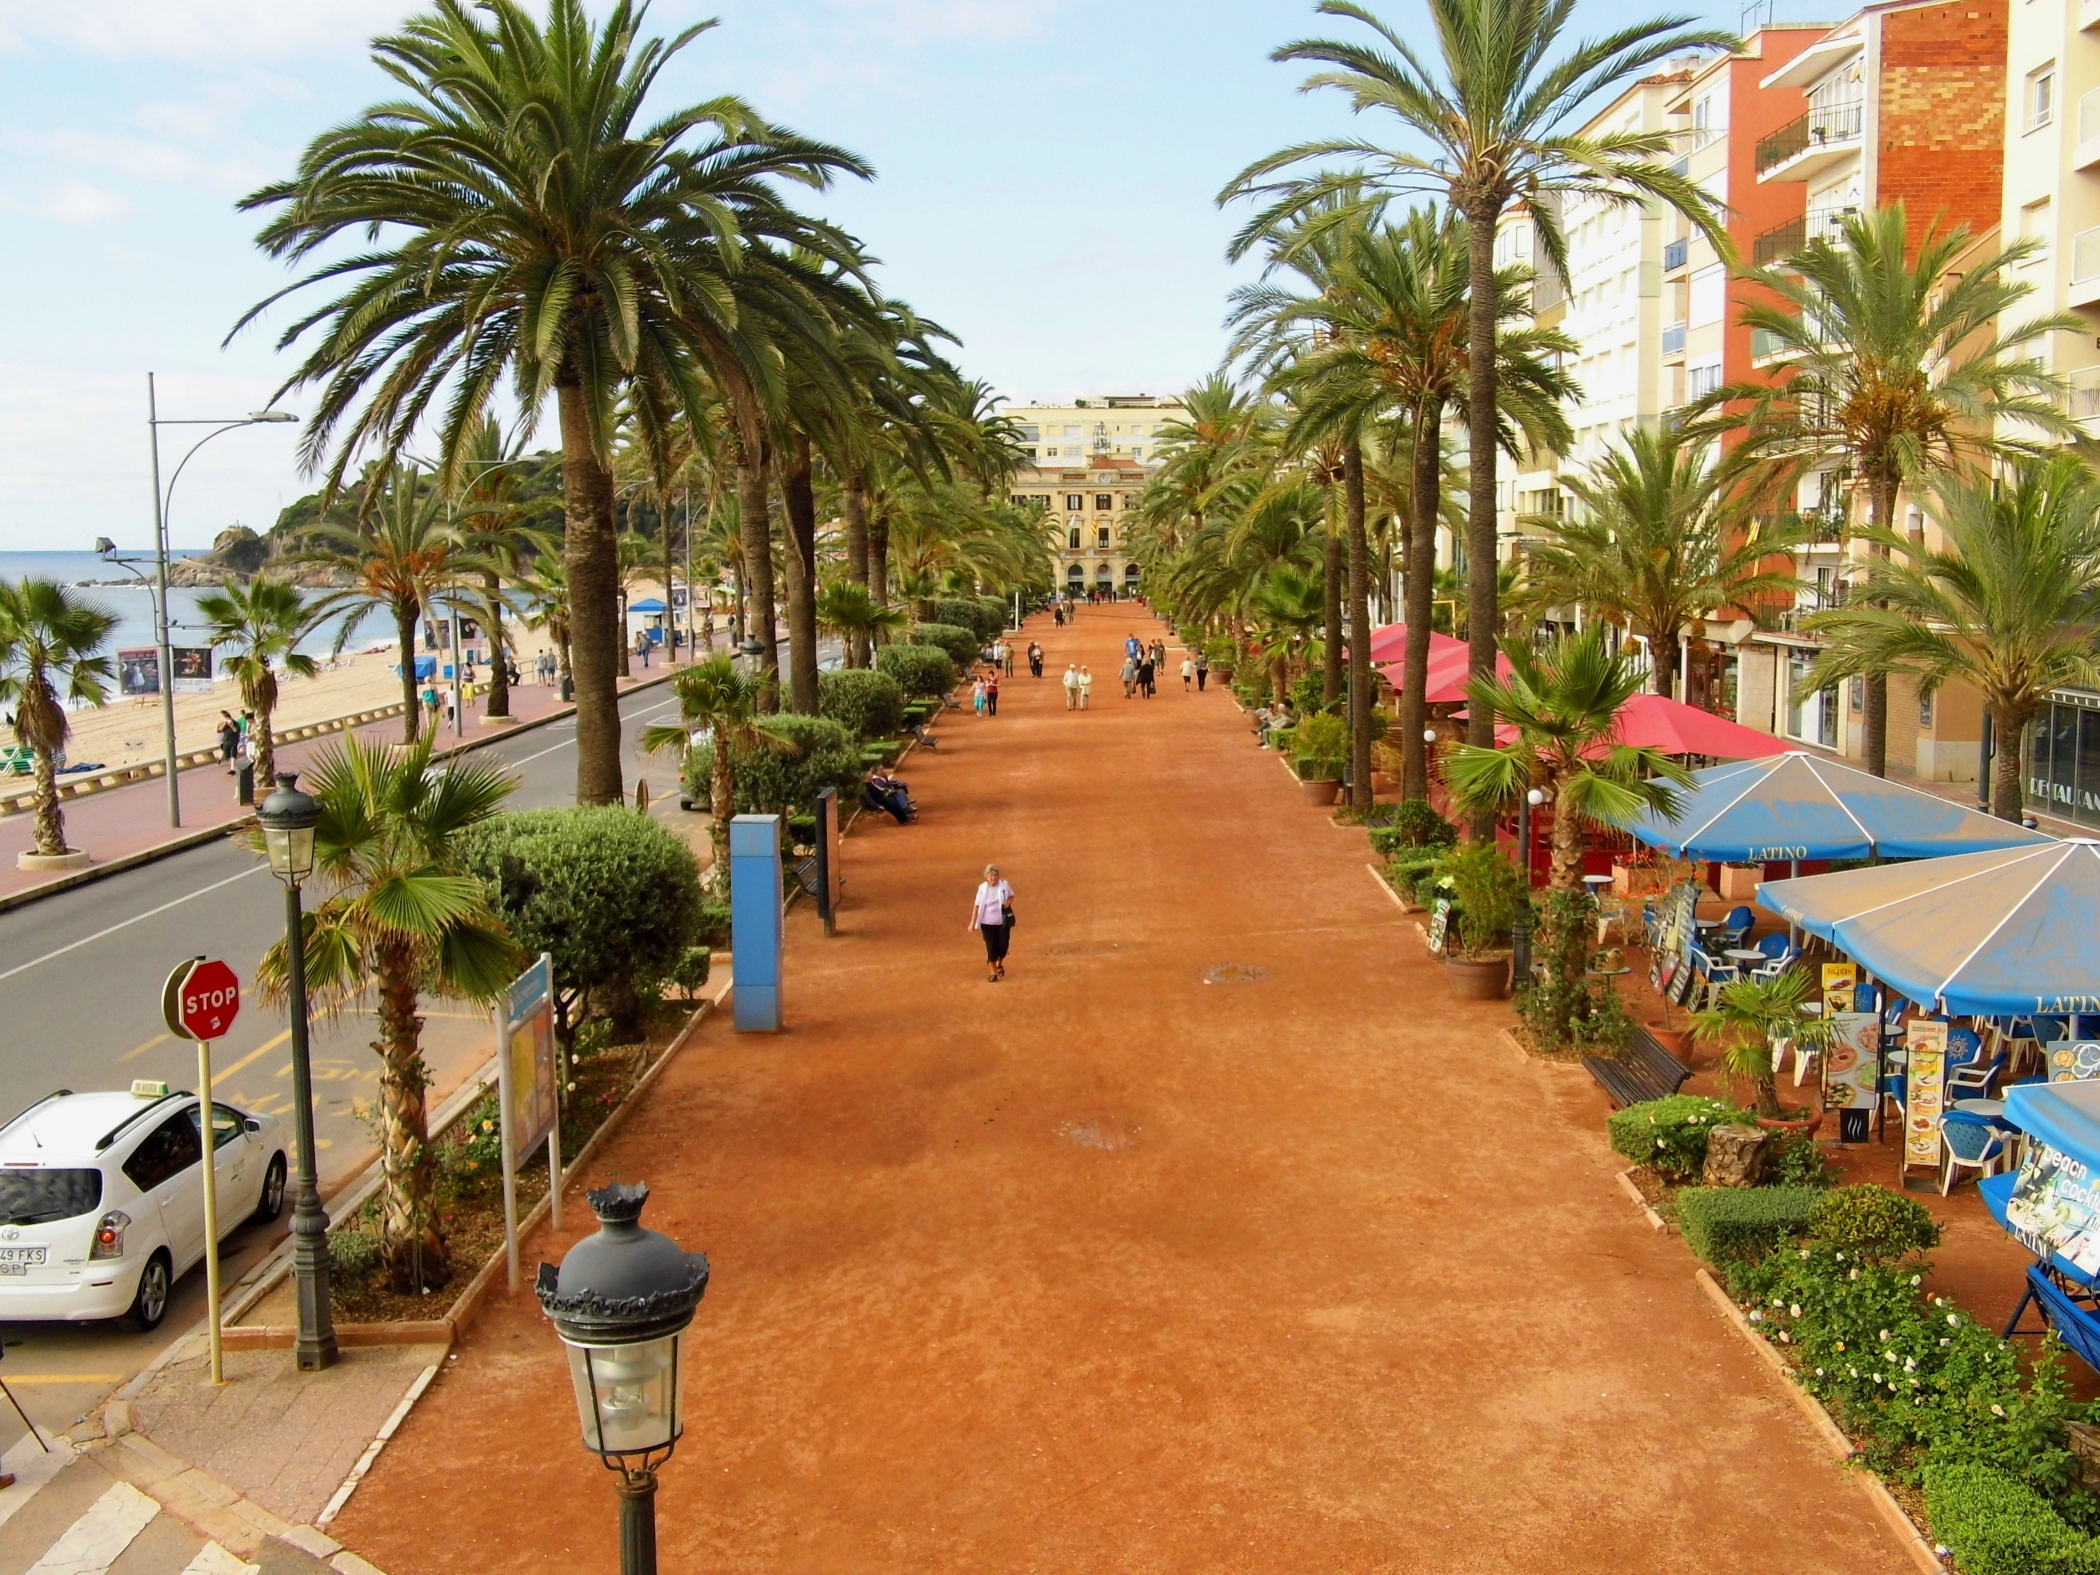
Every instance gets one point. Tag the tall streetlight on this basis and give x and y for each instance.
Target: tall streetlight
(288, 818)
(163, 502)
(1520, 937)
(622, 1301)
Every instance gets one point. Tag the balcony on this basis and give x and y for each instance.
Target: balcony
(1764, 345)
(1673, 339)
(1676, 254)
(1807, 146)
(2088, 15)
(1781, 240)
(2084, 401)
(2087, 153)
(2085, 269)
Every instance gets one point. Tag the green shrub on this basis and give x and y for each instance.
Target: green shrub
(1727, 1225)
(1873, 1225)
(1407, 868)
(922, 670)
(773, 782)
(871, 704)
(996, 611)
(1308, 693)
(1998, 1525)
(1795, 1159)
(1485, 891)
(353, 1254)
(961, 644)
(711, 926)
(1669, 1135)
(1320, 740)
(612, 895)
(1413, 823)
(971, 613)
(1223, 651)
(689, 973)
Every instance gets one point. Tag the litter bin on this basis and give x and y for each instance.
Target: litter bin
(568, 688)
(244, 783)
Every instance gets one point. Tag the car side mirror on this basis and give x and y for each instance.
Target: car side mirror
(251, 1123)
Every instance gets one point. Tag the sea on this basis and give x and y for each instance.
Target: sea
(108, 585)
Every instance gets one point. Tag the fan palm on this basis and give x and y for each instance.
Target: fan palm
(1495, 115)
(1748, 1014)
(545, 589)
(403, 918)
(1901, 360)
(408, 561)
(259, 626)
(1661, 537)
(50, 656)
(2010, 606)
(847, 609)
(1290, 610)
(526, 223)
(718, 698)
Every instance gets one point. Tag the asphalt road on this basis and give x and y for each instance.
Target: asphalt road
(80, 981)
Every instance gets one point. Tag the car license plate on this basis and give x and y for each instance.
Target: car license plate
(20, 1260)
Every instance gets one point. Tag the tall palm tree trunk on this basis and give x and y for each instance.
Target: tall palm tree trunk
(1482, 614)
(265, 750)
(879, 559)
(798, 505)
(411, 707)
(411, 1246)
(1359, 627)
(1874, 728)
(50, 819)
(591, 558)
(854, 505)
(2008, 790)
(1419, 572)
(721, 806)
(756, 526)
(1331, 572)
(670, 595)
(1665, 656)
(499, 668)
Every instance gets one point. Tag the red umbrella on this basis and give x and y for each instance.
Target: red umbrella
(1447, 673)
(1389, 643)
(1652, 721)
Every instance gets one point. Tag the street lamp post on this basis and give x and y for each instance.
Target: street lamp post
(1520, 937)
(163, 503)
(622, 1301)
(288, 818)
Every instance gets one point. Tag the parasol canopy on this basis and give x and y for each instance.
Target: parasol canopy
(2012, 931)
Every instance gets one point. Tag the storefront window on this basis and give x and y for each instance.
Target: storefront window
(2063, 762)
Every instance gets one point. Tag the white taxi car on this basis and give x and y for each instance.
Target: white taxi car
(102, 1199)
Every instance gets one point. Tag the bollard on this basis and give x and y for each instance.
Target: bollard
(756, 912)
(244, 783)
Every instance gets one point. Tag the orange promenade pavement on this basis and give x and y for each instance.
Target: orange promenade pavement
(1107, 1268)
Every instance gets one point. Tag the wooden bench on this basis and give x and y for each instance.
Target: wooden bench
(1642, 1071)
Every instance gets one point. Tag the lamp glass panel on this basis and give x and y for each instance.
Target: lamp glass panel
(291, 850)
(627, 1395)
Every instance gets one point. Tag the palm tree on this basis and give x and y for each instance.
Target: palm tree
(1661, 537)
(531, 227)
(2010, 606)
(50, 655)
(1290, 610)
(1564, 704)
(1496, 122)
(409, 562)
(1900, 360)
(846, 608)
(402, 919)
(259, 625)
(546, 593)
(1749, 1013)
(718, 698)
(498, 528)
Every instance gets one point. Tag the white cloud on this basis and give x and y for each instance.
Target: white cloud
(943, 21)
(206, 32)
(70, 202)
(135, 158)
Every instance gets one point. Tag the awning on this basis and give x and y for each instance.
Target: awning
(648, 604)
(2066, 1116)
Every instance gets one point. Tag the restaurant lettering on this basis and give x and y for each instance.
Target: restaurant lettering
(1775, 855)
(2068, 1003)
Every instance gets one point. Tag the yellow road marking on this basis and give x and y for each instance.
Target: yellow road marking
(218, 1077)
(65, 1378)
(148, 1045)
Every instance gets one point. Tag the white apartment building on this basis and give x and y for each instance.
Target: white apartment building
(1126, 426)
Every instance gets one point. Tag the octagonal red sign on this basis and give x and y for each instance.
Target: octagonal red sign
(209, 1000)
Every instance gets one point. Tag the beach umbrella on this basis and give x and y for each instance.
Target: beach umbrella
(2000, 933)
(1796, 806)
(1389, 643)
(648, 604)
(1652, 721)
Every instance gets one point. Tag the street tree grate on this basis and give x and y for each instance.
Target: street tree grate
(1233, 973)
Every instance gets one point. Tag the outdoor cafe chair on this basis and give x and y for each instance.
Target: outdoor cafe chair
(1968, 1142)
(1713, 973)
(1895, 1091)
(1972, 1071)
(1779, 955)
(1735, 929)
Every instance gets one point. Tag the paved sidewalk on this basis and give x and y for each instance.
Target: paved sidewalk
(1111, 1267)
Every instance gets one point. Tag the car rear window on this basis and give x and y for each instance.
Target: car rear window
(36, 1197)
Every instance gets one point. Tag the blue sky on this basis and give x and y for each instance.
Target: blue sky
(1046, 173)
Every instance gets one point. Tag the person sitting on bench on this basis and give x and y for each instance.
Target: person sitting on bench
(884, 792)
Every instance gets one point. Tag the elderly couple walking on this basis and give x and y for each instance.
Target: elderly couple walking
(1079, 688)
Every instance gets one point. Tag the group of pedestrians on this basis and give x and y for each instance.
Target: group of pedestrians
(236, 739)
(1079, 687)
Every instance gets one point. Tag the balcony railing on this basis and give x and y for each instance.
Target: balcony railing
(2083, 401)
(2089, 116)
(1830, 125)
(1763, 343)
(1673, 339)
(2085, 256)
(1676, 254)
(1779, 241)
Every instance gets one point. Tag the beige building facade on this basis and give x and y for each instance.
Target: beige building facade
(1089, 506)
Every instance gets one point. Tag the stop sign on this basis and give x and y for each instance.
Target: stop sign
(204, 1000)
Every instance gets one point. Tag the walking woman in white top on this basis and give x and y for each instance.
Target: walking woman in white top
(992, 911)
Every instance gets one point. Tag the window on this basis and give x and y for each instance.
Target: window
(1137, 451)
(1709, 297)
(225, 1124)
(171, 1149)
(2034, 226)
(1072, 539)
(1049, 453)
(37, 1197)
(1071, 432)
(1074, 502)
(1100, 535)
(2041, 97)
(1104, 502)
(1699, 381)
(1859, 697)
(1924, 709)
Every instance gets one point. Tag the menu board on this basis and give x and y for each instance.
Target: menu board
(2074, 1060)
(1439, 923)
(1852, 1073)
(1840, 982)
(1680, 905)
(1928, 1071)
(2055, 1208)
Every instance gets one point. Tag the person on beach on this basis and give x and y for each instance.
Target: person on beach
(992, 912)
(977, 694)
(1202, 671)
(1188, 674)
(229, 739)
(1086, 686)
(1035, 659)
(1071, 687)
(991, 694)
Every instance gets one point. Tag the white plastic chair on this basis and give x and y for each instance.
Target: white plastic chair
(1968, 1143)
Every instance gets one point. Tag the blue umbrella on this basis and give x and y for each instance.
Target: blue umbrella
(648, 604)
(1979, 934)
(1802, 806)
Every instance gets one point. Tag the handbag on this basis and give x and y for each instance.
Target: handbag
(1006, 911)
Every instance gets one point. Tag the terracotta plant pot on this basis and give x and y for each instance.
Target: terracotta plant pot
(1807, 1124)
(1381, 782)
(1485, 979)
(1673, 1040)
(1321, 792)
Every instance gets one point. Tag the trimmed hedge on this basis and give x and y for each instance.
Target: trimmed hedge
(870, 704)
(1727, 1225)
(771, 782)
(1669, 1135)
(969, 612)
(1998, 1525)
(923, 670)
(961, 644)
(1873, 1224)
(1412, 824)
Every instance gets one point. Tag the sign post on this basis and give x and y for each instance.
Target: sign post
(200, 1001)
(528, 1100)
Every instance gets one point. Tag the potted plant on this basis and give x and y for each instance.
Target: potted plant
(1319, 748)
(1747, 1018)
(1485, 891)
(1224, 657)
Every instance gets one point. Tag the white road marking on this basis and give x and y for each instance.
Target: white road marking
(212, 1559)
(95, 1541)
(125, 924)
